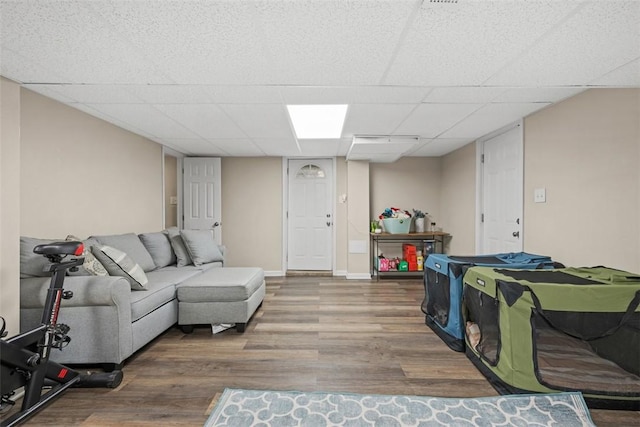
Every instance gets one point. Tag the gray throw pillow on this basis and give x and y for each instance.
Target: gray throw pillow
(201, 246)
(32, 264)
(119, 263)
(159, 247)
(180, 250)
(131, 245)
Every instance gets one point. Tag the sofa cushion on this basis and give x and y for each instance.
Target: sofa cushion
(201, 246)
(91, 265)
(221, 284)
(158, 294)
(182, 255)
(159, 247)
(119, 263)
(131, 245)
(32, 265)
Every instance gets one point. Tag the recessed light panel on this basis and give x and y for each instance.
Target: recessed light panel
(317, 121)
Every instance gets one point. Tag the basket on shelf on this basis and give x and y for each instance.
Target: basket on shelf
(396, 225)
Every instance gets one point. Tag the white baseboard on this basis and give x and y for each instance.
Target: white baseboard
(338, 273)
(358, 276)
(275, 273)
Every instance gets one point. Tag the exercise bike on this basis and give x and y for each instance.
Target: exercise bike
(25, 357)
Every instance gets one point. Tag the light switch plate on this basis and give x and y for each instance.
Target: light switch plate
(540, 195)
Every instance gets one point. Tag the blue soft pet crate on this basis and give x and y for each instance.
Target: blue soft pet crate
(443, 288)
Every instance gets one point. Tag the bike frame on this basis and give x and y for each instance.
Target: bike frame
(27, 354)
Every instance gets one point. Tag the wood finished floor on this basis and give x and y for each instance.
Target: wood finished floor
(311, 334)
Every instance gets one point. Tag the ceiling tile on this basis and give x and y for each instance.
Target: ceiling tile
(601, 35)
(626, 75)
(463, 95)
(277, 146)
(319, 148)
(170, 94)
(146, 118)
(353, 94)
(464, 43)
(97, 94)
(22, 69)
(205, 120)
(360, 118)
(260, 120)
(74, 42)
(440, 146)
(50, 91)
(491, 117)
(200, 42)
(193, 146)
(538, 94)
(331, 42)
(238, 147)
(430, 120)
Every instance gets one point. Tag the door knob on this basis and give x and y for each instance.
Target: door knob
(215, 224)
(328, 224)
(516, 234)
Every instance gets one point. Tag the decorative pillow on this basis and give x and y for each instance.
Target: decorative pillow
(32, 264)
(159, 247)
(119, 263)
(91, 265)
(179, 248)
(201, 246)
(131, 245)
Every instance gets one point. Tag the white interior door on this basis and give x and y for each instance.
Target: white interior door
(202, 195)
(502, 182)
(310, 214)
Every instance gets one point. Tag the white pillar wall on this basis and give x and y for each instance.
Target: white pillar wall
(358, 220)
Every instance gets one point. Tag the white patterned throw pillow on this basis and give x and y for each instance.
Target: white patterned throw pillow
(91, 264)
(119, 263)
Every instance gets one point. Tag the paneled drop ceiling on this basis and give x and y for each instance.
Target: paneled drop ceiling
(213, 78)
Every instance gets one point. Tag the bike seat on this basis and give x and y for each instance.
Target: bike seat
(60, 248)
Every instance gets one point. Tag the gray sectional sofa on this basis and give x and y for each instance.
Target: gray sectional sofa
(116, 312)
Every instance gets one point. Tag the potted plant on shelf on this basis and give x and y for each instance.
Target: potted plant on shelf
(419, 220)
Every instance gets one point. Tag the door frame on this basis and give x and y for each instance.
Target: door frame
(285, 208)
(480, 184)
(179, 156)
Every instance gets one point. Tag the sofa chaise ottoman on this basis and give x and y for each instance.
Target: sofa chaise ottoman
(220, 295)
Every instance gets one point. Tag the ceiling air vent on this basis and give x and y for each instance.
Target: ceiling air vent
(381, 149)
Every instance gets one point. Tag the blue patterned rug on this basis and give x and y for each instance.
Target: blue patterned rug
(244, 408)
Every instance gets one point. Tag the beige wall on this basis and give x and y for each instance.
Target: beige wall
(409, 183)
(458, 195)
(586, 152)
(10, 204)
(252, 212)
(83, 176)
(170, 190)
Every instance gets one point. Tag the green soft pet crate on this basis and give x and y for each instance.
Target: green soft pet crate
(569, 329)
(443, 288)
